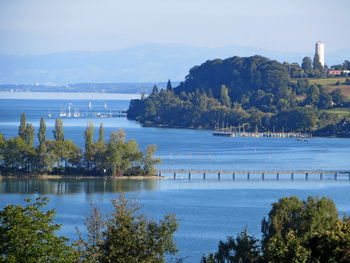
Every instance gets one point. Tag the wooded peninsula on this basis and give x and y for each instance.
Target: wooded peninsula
(254, 93)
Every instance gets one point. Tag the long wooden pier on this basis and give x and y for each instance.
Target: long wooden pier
(257, 175)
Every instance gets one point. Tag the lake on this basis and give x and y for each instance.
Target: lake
(207, 211)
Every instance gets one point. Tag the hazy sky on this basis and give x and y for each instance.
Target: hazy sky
(43, 26)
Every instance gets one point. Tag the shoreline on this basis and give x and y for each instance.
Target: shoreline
(79, 177)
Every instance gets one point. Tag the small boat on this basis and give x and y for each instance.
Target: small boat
(62, 114)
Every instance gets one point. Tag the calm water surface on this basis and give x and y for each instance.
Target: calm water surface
(207, 210)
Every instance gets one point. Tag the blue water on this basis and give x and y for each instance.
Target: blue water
(207, 211)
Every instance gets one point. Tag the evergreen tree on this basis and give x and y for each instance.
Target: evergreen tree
(29, 134)
(169, 86)
(43, 157)
(22, 126)
(101, 134)
(42, 136)
(224, 97)
(58, 133)
(155, 89)
(89, 136)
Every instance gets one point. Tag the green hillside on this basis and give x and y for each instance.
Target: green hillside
(250, 92)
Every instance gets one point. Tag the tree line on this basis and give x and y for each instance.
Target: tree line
(294, 231)
(253, 92)
(115, 157)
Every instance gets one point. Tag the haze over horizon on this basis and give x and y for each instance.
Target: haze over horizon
(49, 26)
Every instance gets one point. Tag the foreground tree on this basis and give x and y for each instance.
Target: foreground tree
(294, 231)
(128, 236)
(291, 223)
(243, 248)
(28, 235)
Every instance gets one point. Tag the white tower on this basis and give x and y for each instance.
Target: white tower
(319, 50)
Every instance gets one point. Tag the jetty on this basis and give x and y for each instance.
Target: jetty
(257, 175)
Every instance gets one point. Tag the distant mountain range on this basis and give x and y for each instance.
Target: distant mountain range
(110, 87)
(143, 63)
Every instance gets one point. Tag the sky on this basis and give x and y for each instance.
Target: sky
(49, 26)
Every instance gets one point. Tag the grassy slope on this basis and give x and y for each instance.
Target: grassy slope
(341, 112)
(331, 84)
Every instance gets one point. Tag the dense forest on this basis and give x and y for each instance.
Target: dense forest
(115, 157)
(251, 92)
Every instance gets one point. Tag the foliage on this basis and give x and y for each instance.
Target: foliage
(128, 236)
(295, 231)
(22, 126)
(243, 248)
(58, 133)
(332, 245)
(117, 157)
(101, 134)
(291, 223)
(28, 235)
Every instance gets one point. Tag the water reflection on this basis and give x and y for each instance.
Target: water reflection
(63, 186)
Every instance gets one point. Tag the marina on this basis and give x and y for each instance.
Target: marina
(104, 112)
(296, 135)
